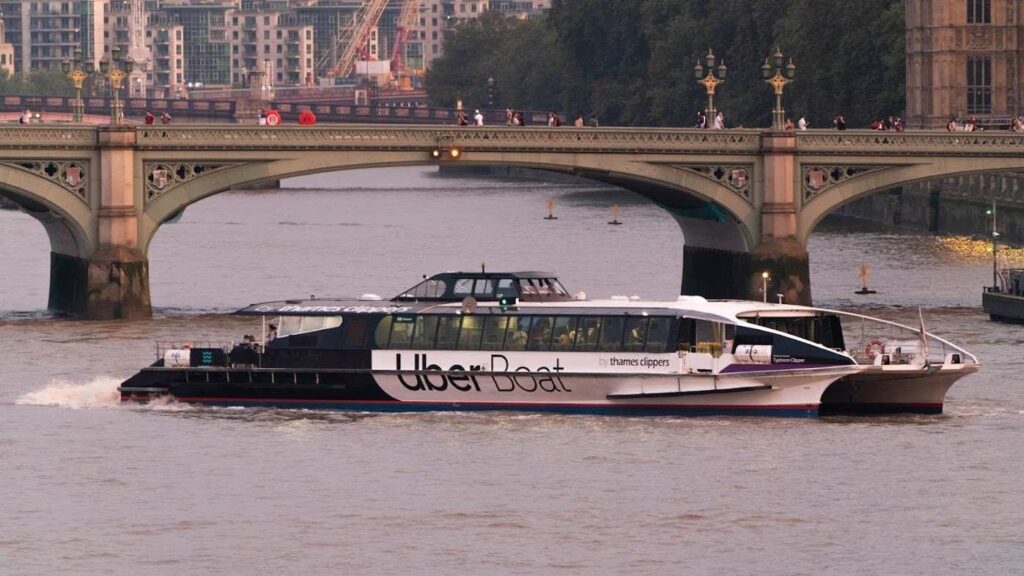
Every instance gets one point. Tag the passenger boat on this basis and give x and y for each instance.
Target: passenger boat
(521, 341)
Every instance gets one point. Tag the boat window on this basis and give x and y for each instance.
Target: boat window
(472, 330)
(710, 336)
(825, 330)
(505, 288)
(541, 287)
(483, 287)
(355, 333)
(687, 334)
(564, 333)
(556, 287)
(494, 332)
(657, 334)
(636, 334)
(382, 333)
(289, 325)
(401, 332)
(448, 332)
(427, 289)
(611, 334)
(426, 330)
(540, 333)
(526, 287)
(311, 324)
(586, 336)
(518, 332)
(463, 286)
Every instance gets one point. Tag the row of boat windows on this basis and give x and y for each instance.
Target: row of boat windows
(486, 288)
(538, 333)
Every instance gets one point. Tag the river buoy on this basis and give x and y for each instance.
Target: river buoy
(551, 211)
(864, 272)
(615, 216)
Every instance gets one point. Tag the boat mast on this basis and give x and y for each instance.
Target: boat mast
(995, 248)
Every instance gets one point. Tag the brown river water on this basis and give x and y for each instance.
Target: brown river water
(91, 487)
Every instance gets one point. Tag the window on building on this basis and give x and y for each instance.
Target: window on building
(979, 85)
(979, 11)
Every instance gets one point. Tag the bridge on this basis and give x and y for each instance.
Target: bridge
(746, 200)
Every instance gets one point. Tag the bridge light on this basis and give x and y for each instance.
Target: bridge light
(453, 153)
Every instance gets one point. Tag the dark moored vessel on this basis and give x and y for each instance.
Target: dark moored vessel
(1005, 303)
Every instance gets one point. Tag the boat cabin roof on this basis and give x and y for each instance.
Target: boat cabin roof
(526, 286)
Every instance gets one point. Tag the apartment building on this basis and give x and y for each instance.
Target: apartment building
(181, 45)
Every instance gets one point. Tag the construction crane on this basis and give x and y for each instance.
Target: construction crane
(407, 21)
(352, 38)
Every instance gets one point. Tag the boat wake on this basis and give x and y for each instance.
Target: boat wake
(100, 392)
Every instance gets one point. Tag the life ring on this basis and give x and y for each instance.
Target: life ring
(273, 118)
(870, 349)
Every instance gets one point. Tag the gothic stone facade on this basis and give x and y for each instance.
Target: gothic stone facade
(964, 58)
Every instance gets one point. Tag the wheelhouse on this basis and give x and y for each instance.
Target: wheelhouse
(487, 286)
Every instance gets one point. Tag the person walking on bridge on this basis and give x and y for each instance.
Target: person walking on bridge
(478, 118)
(719, 123)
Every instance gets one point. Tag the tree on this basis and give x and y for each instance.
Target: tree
(632, 62)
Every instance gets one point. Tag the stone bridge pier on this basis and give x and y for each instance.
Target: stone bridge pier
(781, 253)
(108, 278)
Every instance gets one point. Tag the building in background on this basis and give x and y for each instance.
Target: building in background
(180, 46)
(6, 52)
(45, 33)
(964, 58)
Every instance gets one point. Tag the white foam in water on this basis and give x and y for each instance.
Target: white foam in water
(100, 392)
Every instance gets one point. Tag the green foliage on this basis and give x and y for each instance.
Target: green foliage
(49, 82)
(631, 62)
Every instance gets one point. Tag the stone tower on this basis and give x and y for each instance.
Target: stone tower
(963, 59)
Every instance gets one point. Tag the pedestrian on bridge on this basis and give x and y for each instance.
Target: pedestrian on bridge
(478, 118)
(719, 123)
(165, 118)
(150, 118)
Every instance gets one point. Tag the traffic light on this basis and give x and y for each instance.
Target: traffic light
(506, 302)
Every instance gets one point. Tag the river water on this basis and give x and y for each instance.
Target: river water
(90, 487)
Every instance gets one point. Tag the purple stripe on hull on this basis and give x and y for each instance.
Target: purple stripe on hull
(742, 368)
(788, 410)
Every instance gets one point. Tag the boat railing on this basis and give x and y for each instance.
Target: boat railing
(163, 346)
(866, 338)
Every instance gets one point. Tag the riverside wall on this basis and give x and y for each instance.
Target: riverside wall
(957, 205)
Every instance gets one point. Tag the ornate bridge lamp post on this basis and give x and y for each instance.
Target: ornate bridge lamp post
(490, 91)
(778, 80)
(115, 70)
(710, 79)
(78, 73)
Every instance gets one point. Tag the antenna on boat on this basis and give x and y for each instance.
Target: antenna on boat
(483, 268)
(923, 347)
